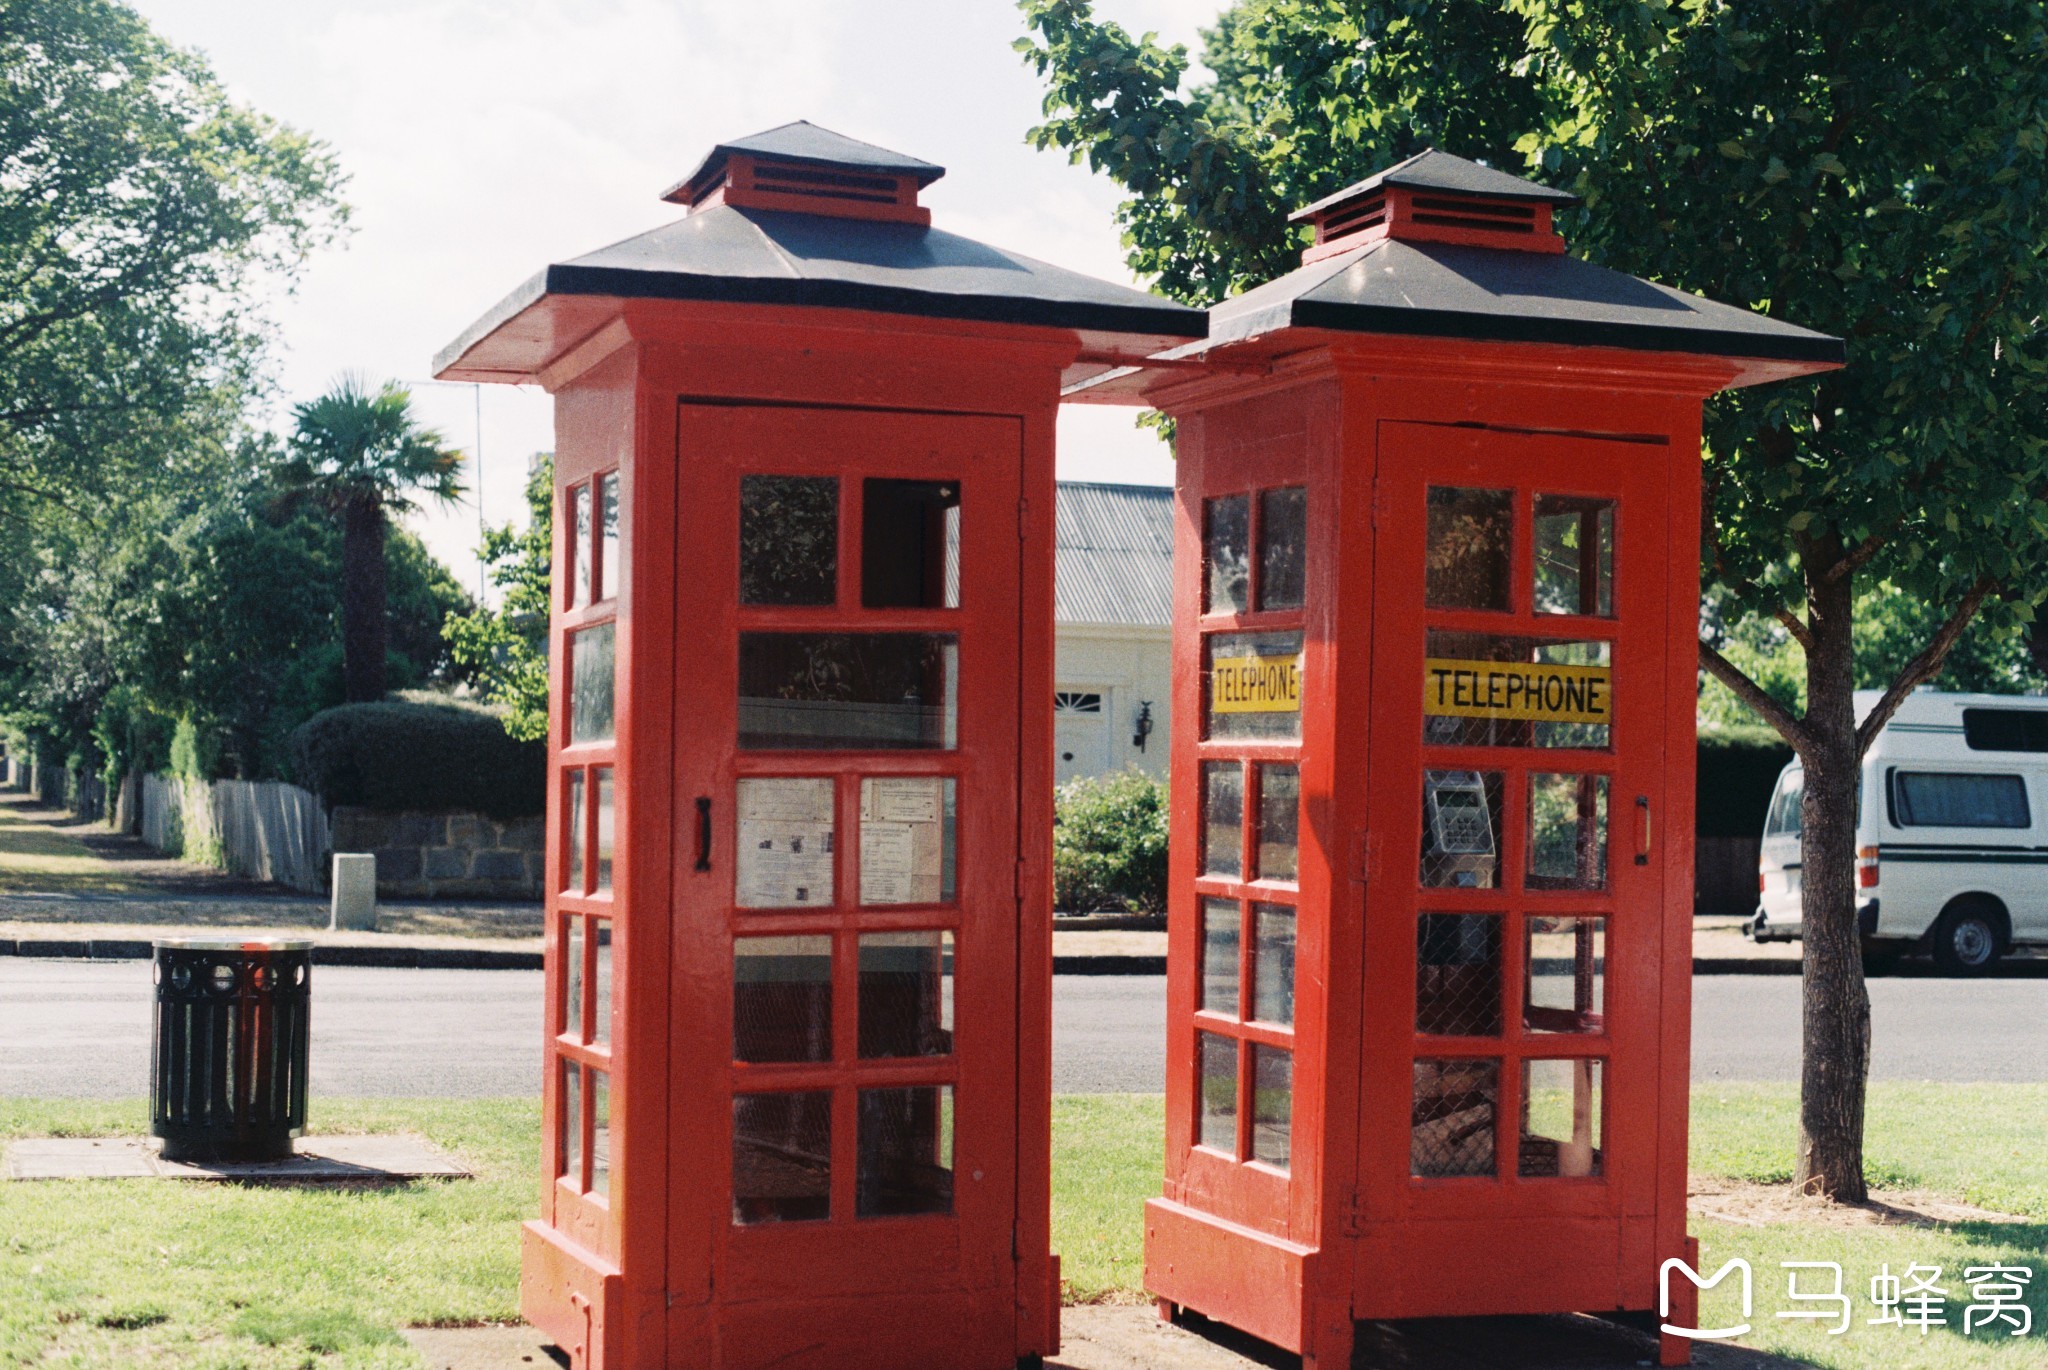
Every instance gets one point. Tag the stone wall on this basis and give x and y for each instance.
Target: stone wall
(437, 855)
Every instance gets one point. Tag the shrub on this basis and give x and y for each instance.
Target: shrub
(1109, 844)
(1738, 768)
(437, 755)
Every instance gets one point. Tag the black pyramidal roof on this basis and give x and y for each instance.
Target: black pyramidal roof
(1445, 290)
(1434, 170)
(738, 255)
(805, 143)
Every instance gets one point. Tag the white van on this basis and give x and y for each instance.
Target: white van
(1951, 833)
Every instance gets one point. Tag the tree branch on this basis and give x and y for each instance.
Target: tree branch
(1793, 624)
(1922, 667)
(1793, 730)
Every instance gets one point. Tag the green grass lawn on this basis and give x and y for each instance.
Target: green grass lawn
(141, 1273)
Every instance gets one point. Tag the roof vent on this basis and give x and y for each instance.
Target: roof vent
(805, 169)
(1435, 197)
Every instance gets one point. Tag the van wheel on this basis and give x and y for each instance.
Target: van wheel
(1969, 938)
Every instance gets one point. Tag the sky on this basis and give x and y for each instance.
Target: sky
(484, 139)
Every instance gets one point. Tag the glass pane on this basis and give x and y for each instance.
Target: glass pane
(1217, 1126)
(906, 840)
(601, 989)
(1471, 541)
(1272, 1104)
(1283, 548)
(604, 829)
(860, 691)
(1226, 555)
(906, 994)
(1453, 1118)
(608, 535)
(1567, 832)
(579, 546)
(1220, 932)
(573, 884)
(782, 999)
(786, 831)
(1273, 964)
(569, 1125)
(910, 544)
(1457, 975)
(789, 539)
(781, 1157)
(1278, 837)
(590, 684)
(1222, 818)
(1461, 829)
(1481, 690)
(1574, 555)
(1932, 799)
(1252, 684)
(1560, 1119)
(600, 1133)
(1567, 969)
(572, 977)
(905, 1152)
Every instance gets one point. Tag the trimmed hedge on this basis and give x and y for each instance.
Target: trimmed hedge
(1109, 844)
(405, 755)
(1738, 769)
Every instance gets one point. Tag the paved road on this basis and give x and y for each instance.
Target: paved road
(81, 1029)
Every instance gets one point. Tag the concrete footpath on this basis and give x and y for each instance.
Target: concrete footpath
(1717, 950)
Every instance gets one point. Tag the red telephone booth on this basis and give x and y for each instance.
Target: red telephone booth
(799, 995)
(1436, 604)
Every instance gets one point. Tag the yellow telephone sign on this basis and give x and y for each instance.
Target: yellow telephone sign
(1538, 692)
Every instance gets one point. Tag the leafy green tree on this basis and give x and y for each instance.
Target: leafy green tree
(1873, 171)
(143, 216)
(362, 457)
(506, 649)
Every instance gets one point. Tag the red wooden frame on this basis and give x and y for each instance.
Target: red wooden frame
(650, 1275)
(1367, 424)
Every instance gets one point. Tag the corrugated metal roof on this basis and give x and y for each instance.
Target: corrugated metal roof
(1114, 554)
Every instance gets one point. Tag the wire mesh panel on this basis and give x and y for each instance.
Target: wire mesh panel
(1454, 1111)
(905, 1152)
(781, 1157)
(1561, 1122)
(1458, 975)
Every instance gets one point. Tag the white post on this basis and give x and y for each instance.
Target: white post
(355, 892)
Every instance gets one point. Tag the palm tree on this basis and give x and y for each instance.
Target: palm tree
(361, 456)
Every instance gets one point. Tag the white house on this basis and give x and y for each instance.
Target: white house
(1112, 643)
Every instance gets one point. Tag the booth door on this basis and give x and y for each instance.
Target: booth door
(846, 715)
(1514, 911)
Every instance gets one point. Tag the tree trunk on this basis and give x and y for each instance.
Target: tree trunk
(1835, 1065)
(363, 621)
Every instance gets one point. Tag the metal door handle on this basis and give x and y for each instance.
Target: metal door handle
(1642, 830)
(703, 833)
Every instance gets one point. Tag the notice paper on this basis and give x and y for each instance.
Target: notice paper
(902, 841)
(785, 843)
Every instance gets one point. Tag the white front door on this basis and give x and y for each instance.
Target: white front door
(1080, 733)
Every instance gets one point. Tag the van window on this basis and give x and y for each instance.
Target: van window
(1934, 799)
(2006, 730)
(1783, 819)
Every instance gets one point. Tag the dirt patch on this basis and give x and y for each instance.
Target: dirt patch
(1768, 1205)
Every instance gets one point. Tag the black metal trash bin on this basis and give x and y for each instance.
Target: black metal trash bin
(228, 1082)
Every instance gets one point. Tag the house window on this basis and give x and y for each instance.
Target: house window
(1076, 702)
